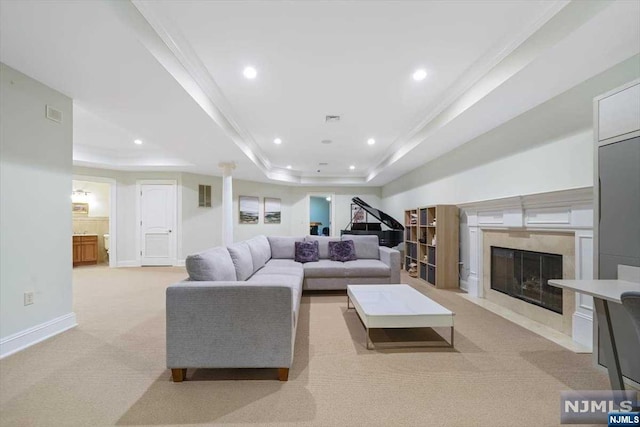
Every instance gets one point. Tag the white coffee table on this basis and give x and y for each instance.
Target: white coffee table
(396, 306)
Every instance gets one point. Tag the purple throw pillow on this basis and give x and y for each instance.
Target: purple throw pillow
(307, 251)
(342, 251)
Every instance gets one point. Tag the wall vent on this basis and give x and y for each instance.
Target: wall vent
(323, 164)
(331, 119)
(204, 196)
(53, 114)
(326, 141)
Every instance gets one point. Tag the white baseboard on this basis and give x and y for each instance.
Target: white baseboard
(464, 286)
(128, 264)
(23, 339)
(582, 330)
(179, 263)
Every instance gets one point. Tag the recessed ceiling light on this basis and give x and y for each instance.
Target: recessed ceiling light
(137, 141)
(420, 74)
(250, 73)
(277, 141)
(352, 167)
(371, 141)
(288, 166)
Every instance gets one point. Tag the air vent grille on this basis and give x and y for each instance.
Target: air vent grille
(204, 196)
(326, 141)
(323, 164)
(53, 114)
(331, 119)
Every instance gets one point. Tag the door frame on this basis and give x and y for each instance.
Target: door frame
(113, 211)
(176, 220)
(332, 210)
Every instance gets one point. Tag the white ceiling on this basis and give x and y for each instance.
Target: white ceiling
(170, 73)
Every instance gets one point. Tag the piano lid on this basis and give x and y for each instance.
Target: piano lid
(387, 220)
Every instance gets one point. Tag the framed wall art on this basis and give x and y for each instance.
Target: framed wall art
(80, 208)
(272, 210)
(249, 209)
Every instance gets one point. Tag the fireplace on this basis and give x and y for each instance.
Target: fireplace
(524, 275)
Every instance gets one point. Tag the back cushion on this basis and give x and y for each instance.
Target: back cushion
(366, 245)
(241, 257)
(323, 244)
(212, 264)
(283, 247)
(260, 251)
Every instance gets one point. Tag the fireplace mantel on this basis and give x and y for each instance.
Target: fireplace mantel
(565, 211)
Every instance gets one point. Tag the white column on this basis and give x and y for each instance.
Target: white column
(227, 202)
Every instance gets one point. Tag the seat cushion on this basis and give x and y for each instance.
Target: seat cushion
(366, 245)
(324, 268)
(323, 244)
(277, 279)
(306, 252)
(292, 282)
(367, 268)
(213, 264)
(283, 247)
(299, 274)
(242, 261)
(282, 266)
(260, 251)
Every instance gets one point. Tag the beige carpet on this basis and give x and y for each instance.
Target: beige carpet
(110, 370)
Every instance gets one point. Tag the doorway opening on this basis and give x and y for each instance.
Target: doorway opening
(93, 221)
(321, 214)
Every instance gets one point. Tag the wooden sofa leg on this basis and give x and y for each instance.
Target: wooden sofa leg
(283, 374)
(178, 375)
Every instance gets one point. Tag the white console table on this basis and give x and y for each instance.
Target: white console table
(602, 292)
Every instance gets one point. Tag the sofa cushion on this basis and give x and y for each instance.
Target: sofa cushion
(367, 268)
(260, 251)
(324, 268)
(282, 266)
(277, 279)
(366, 245)
(213, 264)
(282, 280)
(342, 251)
(306, 252)
(241, 257)
(323, 244)
(283, 247)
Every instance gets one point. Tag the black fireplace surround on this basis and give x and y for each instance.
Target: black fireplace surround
(524, 275)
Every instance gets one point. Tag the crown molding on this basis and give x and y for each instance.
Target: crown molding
(478, 81)
(178, 57)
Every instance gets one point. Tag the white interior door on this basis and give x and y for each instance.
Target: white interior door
(157, 224)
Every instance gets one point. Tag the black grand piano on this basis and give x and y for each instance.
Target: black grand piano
(389, 238)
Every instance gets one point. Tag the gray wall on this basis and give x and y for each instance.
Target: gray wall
(35, 213)
(201, 228)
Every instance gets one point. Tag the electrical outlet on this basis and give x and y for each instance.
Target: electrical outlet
(28, 298)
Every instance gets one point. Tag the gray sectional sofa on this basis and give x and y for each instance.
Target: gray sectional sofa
(239, 308)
